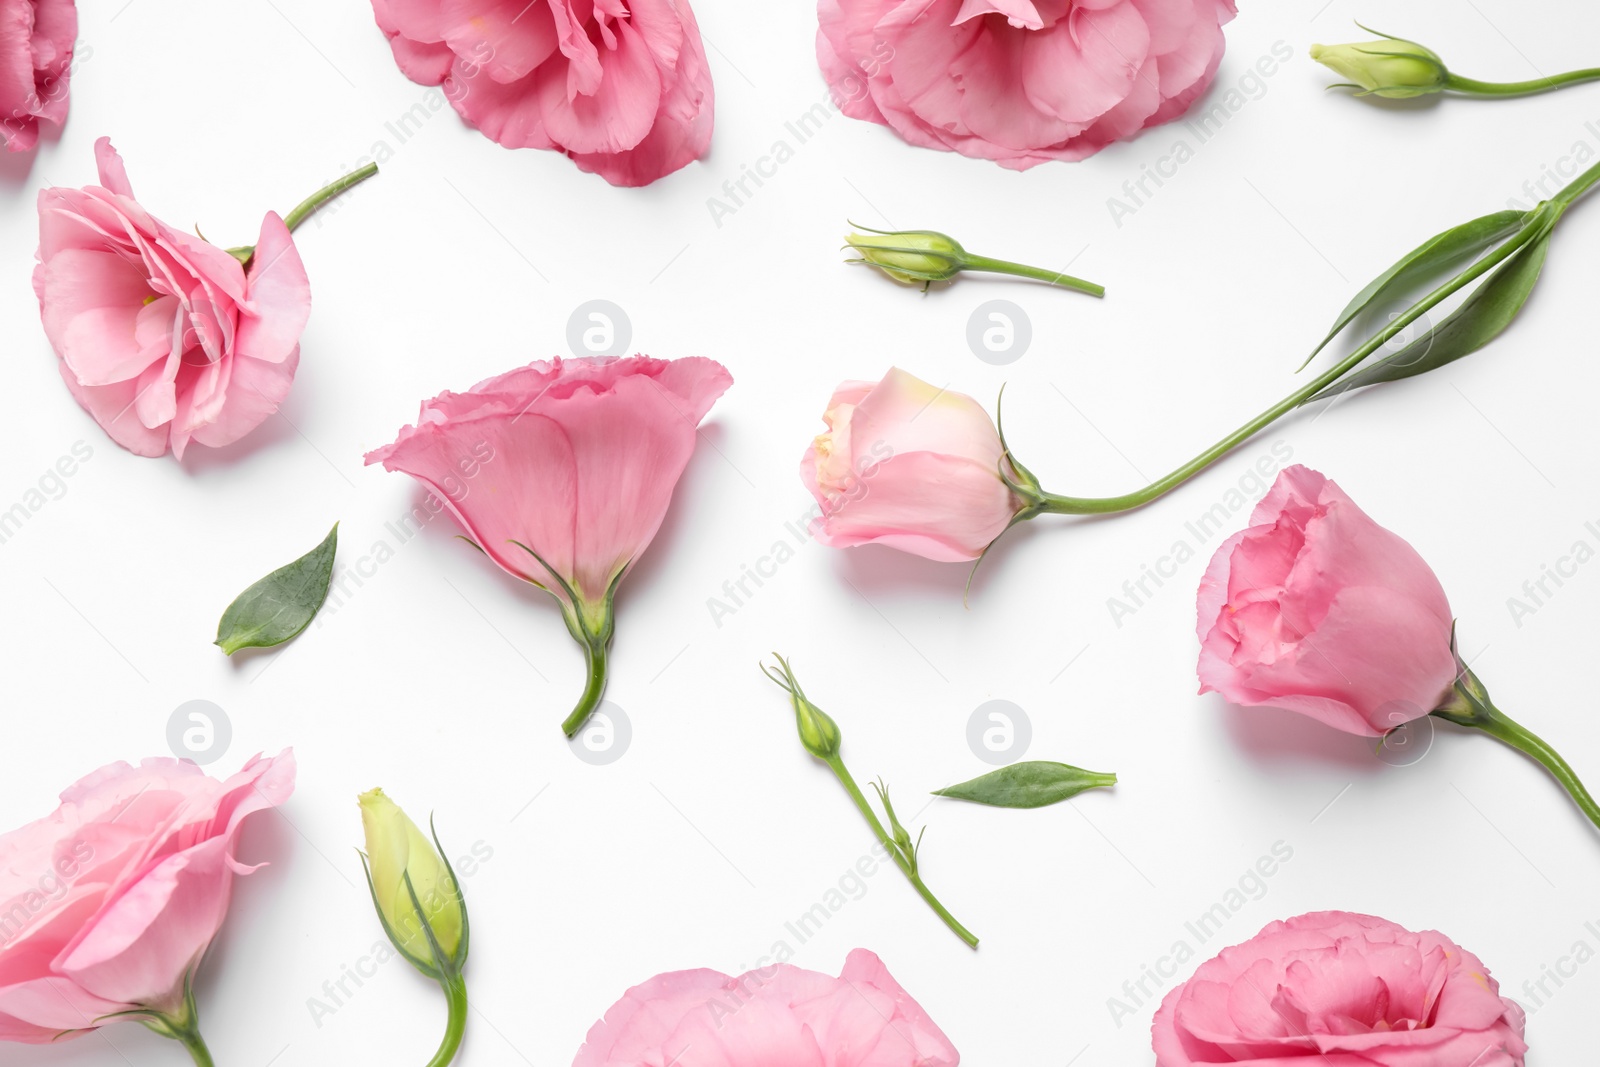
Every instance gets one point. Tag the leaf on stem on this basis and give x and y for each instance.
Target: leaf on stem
(1479, 320)
(282, 604)
(1031, 784)
(1426, 261)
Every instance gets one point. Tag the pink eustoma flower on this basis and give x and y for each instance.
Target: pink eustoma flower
(562, 472)
(36, 42)
(909, 465)
(1332, 989)
(1318, 609)
(776, 1016)
(621, 87)
(165, 339)
(108, 905)
(1020, 82)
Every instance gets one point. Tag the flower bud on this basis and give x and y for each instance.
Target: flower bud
(818, 732)
(1393, 68)
(911, 256)
(415, 890)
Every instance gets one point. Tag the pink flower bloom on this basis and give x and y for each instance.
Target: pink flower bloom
(561, 473)
(777, 1016)
(911, 466)
(163, 338)
(1332, 989)
(622, 88)
(1019, 81)
(109, 904)
(36, 42)
(1318, 609)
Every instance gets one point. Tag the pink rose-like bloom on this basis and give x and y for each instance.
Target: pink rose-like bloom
(911, 466)
(777, 1016)
(108, 904)
(165, 338)
(36, 42)
(1318, 609)
(575, 458)
(1334, 989)
(621, 87)
(1020, 82)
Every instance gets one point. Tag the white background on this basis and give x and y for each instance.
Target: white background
(444, 681)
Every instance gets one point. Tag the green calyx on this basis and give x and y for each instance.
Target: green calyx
(182, 1025)
(818, 732)
(592, 625)
(1468, 704)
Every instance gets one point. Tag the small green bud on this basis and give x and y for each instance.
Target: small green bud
(1393, 68)
(818, 732)
(406, 870)
(911, 257)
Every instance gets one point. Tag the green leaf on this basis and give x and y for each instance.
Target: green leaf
(1425, 261)
(282, 604)
(1032, 784)
(1479, 320)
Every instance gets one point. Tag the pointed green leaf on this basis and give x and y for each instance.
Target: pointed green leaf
(1478, 320)
(1032, 784)
(282, 604)
(1425, 261)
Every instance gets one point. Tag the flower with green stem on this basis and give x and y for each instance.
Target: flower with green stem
(821, 737)
(922, 257)
(420, 906)
(1398, 69)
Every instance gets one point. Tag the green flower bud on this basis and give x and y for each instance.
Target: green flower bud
(415, 891)
(818, 732)
(911, 257)
(1393, 68)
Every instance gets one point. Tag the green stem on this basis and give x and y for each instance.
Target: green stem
(1473, 87)
(182, 1026)
(197, 1048)
(1021, 270)
(1469, 705)
(310, 204)
(455, 991)
(906, 867)
(1539, 224)
(594, 689)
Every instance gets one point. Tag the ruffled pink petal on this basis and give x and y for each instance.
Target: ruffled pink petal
(620, 111)
(278, 303)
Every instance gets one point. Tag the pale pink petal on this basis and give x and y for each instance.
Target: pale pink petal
(278, 304)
